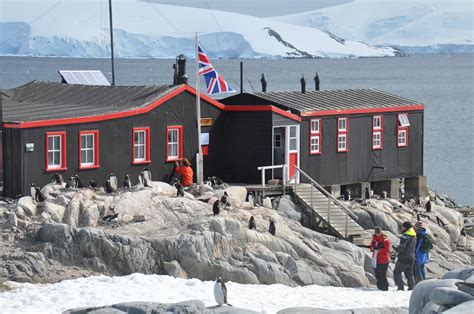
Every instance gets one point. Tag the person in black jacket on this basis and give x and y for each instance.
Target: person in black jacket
(406, 257)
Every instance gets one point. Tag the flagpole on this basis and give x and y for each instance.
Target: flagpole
(199, 161)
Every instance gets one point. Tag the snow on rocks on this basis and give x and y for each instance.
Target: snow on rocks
(102, 290)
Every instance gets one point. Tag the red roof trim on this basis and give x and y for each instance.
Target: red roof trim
(362, 110)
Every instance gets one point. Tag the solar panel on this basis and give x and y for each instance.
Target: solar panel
(89, 77)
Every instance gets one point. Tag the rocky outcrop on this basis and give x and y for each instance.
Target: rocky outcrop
(452, 294)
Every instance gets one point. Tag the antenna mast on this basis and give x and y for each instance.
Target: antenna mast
(112, 43)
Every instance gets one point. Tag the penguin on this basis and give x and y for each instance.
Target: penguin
(225, 199)
(109, 217)
(38, 195)
(71, 183)
(78, 182)
(93, 184)
(252, 223)
(384, 195)
(179, 188)
(428, 206)
(220, 292)
(347, 195)
(272, 228)
(108, 187)
(113, 181)
(128, 182)
(367, 192)
(216, 208)
(251, 200)
(146, 177)
(57, 178)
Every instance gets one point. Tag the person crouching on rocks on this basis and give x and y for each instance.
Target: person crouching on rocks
(406, 257)
(380, 246)
(423, 246)
(184, 172)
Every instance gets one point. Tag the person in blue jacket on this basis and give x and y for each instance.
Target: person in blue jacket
(421, 252)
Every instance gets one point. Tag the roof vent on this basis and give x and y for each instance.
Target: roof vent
(303, 84)
(316, 82)
(180, 76)
(264, 83)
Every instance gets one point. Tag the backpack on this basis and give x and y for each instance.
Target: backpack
(427, 244)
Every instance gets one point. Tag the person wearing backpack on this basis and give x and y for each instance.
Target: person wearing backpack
(424, 244)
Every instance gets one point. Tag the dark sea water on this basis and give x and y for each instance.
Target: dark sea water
(444, 83)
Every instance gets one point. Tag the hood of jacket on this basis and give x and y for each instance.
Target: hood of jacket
(410, 232)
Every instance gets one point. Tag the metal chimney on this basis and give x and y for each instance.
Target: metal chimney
(316, 81)
(303, 84)
(180, 76)
(264, 83)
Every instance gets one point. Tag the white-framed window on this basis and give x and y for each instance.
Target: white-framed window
(342, 142)
(377, 123)
(88, 149)
(315, 145)
(55, 151)
(293, 138)
(342, 124)
(174, 138)
(403, 120)
(402, 137)
(277, 141)
(315, 126)
(141, 145)
(377, 140)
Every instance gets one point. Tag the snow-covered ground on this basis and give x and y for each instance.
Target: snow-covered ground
(142, 29)
(406, 23)
(103, 290)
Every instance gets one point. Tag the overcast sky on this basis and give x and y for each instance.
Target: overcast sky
(259, 8)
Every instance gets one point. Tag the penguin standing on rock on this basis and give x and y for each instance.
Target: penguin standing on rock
(37, 194)
(367, 192)
(179, 188)
(71, 184)
(220, 292)
(225, 200)
(57, 178)
(78, 181)
(252, 223)
(347, 195)
(216, 208)
(128, 182)
(272, 228)
(108, 187)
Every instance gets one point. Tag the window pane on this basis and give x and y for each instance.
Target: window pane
(293, 131)
(57, 158)
(293, 144)
(90, 156)
(50, 142)
(90, 141)
(50, 158)
(83, 156)
(57, 142)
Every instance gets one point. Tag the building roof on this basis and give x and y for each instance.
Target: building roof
(331, 100)
(49, 101)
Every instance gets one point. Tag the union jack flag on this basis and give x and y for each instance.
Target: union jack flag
(214, 82)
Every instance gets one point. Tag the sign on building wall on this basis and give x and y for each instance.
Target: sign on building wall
(206, 121)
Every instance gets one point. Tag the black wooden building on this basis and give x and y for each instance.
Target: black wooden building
(338, 137)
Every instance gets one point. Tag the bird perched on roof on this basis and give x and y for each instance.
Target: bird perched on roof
(220, 292)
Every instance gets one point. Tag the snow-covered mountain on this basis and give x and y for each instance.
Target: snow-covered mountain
(142, 29)
(417, 26)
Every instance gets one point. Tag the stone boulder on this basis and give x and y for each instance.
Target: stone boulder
(238, 193)
(285, 207)
(27, 204)
(420, 301)
(54, 210)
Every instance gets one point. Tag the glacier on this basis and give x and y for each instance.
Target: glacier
(150, 30)
(418, 26)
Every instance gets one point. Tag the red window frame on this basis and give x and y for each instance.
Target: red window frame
(343, 132)
(96, 164)
(315, 134)
(180, 144)
(63, 151)
(402, 129)
(378, 130)
(147, 146)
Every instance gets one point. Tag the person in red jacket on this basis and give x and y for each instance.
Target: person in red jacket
(184, 171)
(380, 246)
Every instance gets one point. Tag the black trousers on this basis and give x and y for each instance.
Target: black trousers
(381, 276)
(406, 267)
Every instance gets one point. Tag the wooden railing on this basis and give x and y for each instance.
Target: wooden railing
(264, 168)
(348, 213)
